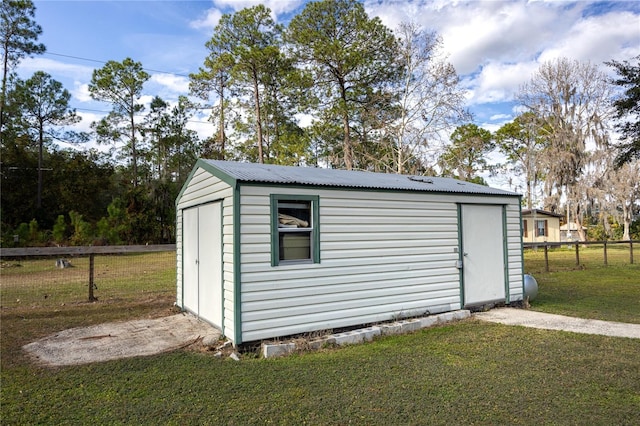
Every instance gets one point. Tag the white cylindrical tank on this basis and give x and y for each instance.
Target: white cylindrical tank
(530, 287)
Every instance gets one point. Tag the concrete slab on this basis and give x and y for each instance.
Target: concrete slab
(110, 341)
(528, 318)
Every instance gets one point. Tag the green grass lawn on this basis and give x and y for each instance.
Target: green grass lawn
(468, 372)
(591, 289)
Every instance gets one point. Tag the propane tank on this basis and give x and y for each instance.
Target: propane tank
(530, 287)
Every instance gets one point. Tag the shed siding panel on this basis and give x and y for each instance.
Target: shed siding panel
(514, 252)
(383, 255)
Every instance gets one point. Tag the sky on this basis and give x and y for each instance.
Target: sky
(494, 45)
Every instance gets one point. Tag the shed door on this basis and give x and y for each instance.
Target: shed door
(483, 254)
(202, 262)
(190, 259)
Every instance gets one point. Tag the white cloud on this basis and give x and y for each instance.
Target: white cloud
(476, 33)
(146, 100)
(499, 117)
(207, 22)
(499, 82)
(304, 120)
(506, 32)
(171, 83)
(213, 15)
(80, 92)
(496, 46)
(84, 125)
(598, 39)
(201, 126)
(276, 6)
(56, 68)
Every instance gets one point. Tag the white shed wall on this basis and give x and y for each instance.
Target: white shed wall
(205, 188)
(384, 255)
(514, 252)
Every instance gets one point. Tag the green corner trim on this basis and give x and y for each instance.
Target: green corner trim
(182, 260)
(505, 254)
(521, 247)
(237, 287)
(222, 262)
(460, 252)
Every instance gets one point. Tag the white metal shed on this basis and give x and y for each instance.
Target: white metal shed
(266, 251)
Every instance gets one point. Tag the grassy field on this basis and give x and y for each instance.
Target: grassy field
(469, 372)
(592, 256)
(39, 284)
(591, 289)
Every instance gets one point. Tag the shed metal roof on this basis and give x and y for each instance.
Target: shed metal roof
(312, 176)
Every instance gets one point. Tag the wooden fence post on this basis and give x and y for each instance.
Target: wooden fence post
(631, 252)
(546, 258)
(577, 254)
(606, 263)
(91, 283)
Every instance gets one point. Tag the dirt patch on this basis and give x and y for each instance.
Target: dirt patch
(109, 341)
(527, 318)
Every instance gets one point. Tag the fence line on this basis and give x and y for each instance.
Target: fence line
(82, 250)
(17, 283)
(577, 244)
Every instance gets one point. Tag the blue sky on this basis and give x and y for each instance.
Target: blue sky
(494, 45)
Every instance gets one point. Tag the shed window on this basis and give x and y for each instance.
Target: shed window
(294, 229)
(541, 228)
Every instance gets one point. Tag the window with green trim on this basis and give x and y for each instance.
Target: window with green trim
(294, 229)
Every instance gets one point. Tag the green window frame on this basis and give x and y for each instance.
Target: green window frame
(295, 229)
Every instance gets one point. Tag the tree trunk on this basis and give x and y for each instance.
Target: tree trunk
(40, 149)
(256, 99)
(577, 218)
(221, 135)
(347, 148)
(529, 200)
(5, 70)
(626, 220)
(134, 154)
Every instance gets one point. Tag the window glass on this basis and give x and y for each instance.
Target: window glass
(540, 226)
(295, 226)
(294, 214)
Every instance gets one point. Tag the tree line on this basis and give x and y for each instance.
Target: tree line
(372, 98)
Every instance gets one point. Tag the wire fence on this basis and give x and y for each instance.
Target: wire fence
(553, 257)
(58, 276)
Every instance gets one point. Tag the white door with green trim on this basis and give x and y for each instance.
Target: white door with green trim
(202, 261)
(482, 254)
